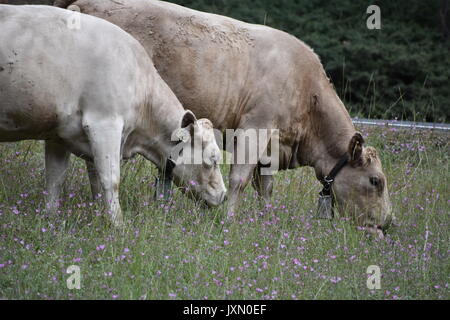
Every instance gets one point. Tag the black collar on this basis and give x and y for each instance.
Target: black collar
(170, 164)
(168, 169)
(329, 178)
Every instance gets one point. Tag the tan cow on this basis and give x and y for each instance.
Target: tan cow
(90, 89)
(243, 75)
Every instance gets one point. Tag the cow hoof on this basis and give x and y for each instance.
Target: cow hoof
(117, 222)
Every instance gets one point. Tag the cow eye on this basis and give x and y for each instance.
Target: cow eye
(375, 181)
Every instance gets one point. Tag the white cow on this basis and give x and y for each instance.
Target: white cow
(87, 87)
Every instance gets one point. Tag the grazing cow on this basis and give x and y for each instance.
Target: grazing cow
(242, 75)
(93, 91)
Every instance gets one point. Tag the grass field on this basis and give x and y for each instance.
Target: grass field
(179, 250)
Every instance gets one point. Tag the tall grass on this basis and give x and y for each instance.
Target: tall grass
(178, 249)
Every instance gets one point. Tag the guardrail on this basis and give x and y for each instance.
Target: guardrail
(403, 124)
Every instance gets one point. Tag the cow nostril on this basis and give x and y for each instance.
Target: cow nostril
(223, 197)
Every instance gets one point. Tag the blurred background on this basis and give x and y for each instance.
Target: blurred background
(400, 71)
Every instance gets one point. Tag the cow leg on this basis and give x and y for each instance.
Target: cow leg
(105, 138)
(56, 163)
(94, 179)
(163, 185)
(263, 184)
(240, 176)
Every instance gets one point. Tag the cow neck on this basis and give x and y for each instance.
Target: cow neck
(159, 132)
(322, 161)
(330, 132)
(165, 143)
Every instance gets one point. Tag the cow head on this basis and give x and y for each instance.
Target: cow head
(196, 160)
(360, 188)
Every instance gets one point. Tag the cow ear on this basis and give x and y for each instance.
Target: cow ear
(188, 118)
(355, 148)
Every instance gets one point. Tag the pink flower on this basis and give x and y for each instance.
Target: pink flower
(335, 279)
